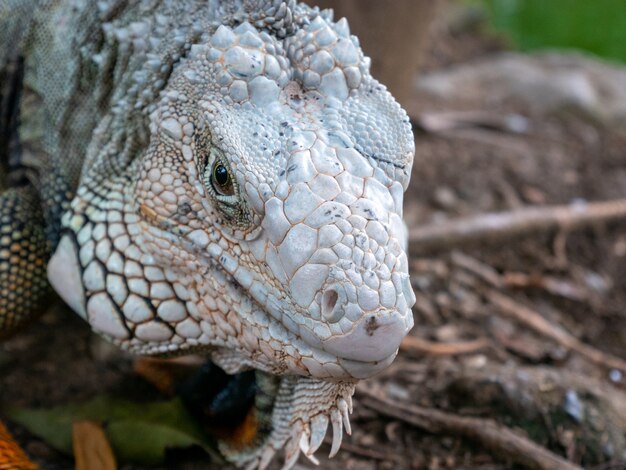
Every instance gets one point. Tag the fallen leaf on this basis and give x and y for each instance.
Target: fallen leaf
(138, 432)
(92, 450)
(11, 454)
(166, 374)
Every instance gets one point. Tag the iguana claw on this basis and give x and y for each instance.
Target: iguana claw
(319, 425)
(302, 411)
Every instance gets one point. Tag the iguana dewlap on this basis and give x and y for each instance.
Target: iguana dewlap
(214, 177)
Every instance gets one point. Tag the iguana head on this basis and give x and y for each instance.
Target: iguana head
(261, 218)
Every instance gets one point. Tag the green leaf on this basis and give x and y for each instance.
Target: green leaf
(138, 432)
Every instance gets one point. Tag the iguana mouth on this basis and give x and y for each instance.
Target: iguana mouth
(366, 349)
(377, 352)
(361, 352)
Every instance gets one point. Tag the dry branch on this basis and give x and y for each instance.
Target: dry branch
(413, 344)
(366, 452)
(446, 121)
(477, 268)
(499, 226)
(552, 285)
(487, 432)
(537, 322)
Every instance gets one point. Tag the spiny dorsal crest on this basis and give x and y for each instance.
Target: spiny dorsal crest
(276, 15)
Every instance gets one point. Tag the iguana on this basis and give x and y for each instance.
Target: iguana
(214, 177)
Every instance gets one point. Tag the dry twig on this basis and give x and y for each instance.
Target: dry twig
(505, 225)
(477, 268)
(413, 344)
(446, 121)
(484, 431)
(551, 284)
(537, 322)
(366, 452)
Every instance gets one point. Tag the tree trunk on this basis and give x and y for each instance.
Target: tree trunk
(392, 32)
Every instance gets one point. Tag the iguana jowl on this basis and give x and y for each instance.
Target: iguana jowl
(216, 177)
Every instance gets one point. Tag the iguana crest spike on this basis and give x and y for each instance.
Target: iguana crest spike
(276, 15)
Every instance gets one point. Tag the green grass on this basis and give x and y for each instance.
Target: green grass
(597, 26)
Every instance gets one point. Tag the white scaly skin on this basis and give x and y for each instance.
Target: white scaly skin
(300, 272)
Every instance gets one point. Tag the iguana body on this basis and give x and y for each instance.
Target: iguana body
(214, 177)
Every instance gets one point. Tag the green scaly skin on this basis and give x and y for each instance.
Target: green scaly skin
(24, 248)
(24, 252)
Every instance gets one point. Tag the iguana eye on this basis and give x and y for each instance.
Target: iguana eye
(222, 190)
(218, 178)
(221, 180)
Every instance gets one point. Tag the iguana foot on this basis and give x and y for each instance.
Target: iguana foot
(298, 419)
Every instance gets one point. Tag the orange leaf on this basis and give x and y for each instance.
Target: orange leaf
(92, 450)
(12, 457)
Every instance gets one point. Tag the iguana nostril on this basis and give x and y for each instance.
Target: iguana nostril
(331, 305)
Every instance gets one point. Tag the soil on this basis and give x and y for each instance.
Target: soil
(575, 280)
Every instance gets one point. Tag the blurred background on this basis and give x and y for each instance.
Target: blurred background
(598, 27)
(517, 220)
